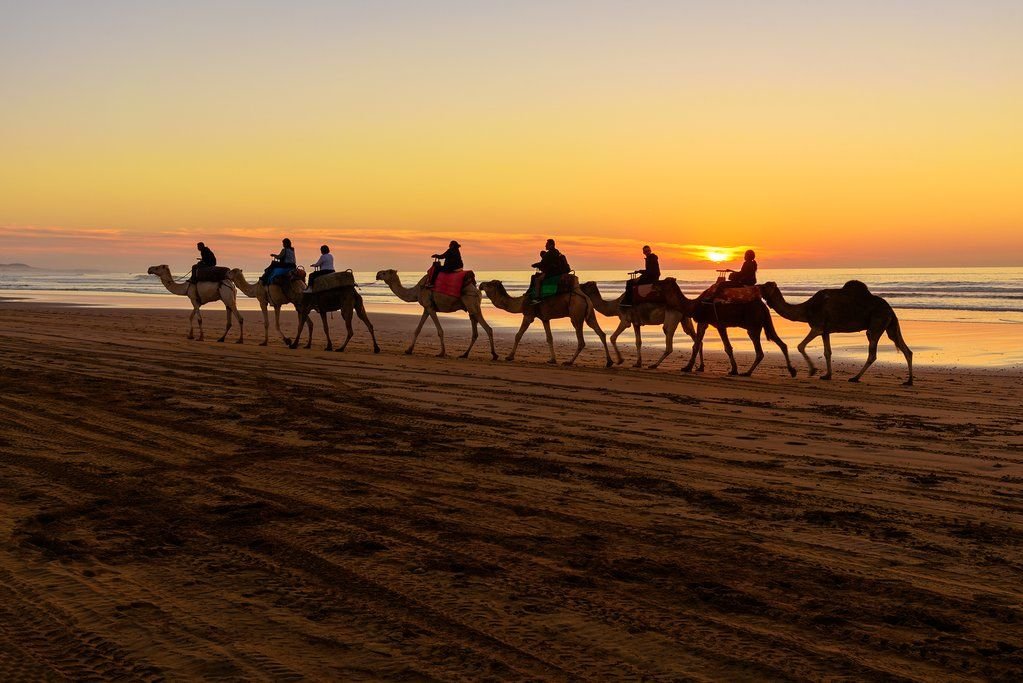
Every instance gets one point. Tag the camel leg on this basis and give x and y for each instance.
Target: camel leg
(191, 322)
(895, 334)
(802, 349)
(669, 340)
(723, 333)
(754, 336)
(622, 325)
(873, 337)
(772, 334)
(687, 327)
(591, 320)
(266, 324)
(346, 313)
(302, 316)
(526, 322)
(360, 310)
(309, 324)
(198, 316)
(326, 332)
(440, 334)
(277, 326)
(701, 329)
(639, 346)
(241, 324)
(475, 335)
(227, 328)
(826, 337)
(490, 334)
(419, 328)
(550, 343)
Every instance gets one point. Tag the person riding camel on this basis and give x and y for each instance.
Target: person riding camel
(452, 261)
(650, 274)
(323, 266)
(552, 262)
(207, 259)
(281, 263)
(747, 275)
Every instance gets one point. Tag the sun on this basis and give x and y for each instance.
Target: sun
(717, 255)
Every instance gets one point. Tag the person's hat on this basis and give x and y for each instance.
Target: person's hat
(455, 244)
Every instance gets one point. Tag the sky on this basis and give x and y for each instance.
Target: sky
(824, 134)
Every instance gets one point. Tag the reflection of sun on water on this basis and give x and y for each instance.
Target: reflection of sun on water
(717, 255)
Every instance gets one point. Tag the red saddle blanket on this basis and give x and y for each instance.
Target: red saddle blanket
(449, 283)
(719, 294)
(648, 294)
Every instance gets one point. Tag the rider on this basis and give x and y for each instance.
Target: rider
(650, 274)
(452, 261)
(323, 265)
(552, 262)
(747, 275)
(285, 261)
(207, 259)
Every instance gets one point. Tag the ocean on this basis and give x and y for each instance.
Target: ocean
(970, 316)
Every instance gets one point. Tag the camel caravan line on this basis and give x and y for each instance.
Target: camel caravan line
(729, 303)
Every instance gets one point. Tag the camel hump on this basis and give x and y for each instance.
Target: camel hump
(855, 287)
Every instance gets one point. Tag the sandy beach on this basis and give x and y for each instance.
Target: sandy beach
(174, 509)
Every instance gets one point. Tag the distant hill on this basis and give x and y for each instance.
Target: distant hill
(17, 266)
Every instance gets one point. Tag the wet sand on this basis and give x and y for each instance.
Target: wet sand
(177, 510)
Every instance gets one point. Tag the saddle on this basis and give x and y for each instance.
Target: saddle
(552, 285)
(650, 293)
(718, 294)
(450, 283)
(212, 274)
(336, 280)
(293, 275)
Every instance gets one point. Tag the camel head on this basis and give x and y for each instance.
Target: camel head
(590, 288)
(159, 270)
(769, 290)
(492, 287)
(387, 275)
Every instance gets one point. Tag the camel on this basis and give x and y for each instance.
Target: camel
(636, 316)
(344, 299)
(753, 317)
(849, 309)
(203, 293)
(275, 296)
(573, 304)
(435, 302)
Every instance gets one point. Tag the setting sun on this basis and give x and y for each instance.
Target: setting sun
(717, 255)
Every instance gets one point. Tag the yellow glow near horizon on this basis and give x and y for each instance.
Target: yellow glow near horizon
(718, 255)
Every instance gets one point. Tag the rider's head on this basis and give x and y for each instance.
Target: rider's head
(750, 255)
(324, 249)
(646, 250)
(200, 246)
(454, 245)
(286, 242)
(550, 244)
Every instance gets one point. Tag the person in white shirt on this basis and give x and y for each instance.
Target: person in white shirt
(323, 265)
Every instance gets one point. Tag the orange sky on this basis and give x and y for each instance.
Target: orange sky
(856, 134)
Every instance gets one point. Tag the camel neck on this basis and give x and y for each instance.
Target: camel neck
(604, 306)
(179, 288)
(507, 302)
(793, 312)
(247, 288)
(408, 294)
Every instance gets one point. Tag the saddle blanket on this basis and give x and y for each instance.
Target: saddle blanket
(212, 274)
(648, 294)
(553, 285)
(336, 280)
(450, 283)
(730, 295)
(286, 274)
